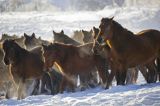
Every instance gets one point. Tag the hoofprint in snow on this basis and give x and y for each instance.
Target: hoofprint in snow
(130, 95)
(42, 23)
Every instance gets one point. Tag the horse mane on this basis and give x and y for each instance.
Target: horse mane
(59, 44)
(119, 27)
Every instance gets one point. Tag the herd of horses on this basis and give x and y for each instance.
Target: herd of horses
(93, 57)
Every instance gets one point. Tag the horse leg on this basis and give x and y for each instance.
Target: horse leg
(110, 79)
(36, 87)
(123, 76)
(132, 75)
(102, 75)
(20, 90)
(144, 72)
(111, 76)
(158, 67)
(83, 81)
(152, 73)
(117, 76)
(134, 80)
(63, 84)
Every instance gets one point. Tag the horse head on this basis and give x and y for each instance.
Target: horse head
(106, 30)
(50, 54)
(10, 48)
(30, 41)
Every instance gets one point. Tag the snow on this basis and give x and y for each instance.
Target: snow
(42, 23)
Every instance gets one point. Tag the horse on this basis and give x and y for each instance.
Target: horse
(73, 60)
(63, 38)
(23, 65)
(6, 36)
(130, 50)
(19, 40)
(91, 80)
(88, 37)
(77, 36)
(31, 41)
(103, 50)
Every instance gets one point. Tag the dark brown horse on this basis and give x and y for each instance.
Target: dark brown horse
(91, 79)
(103, 49)
(23, 64)
(74, 60)
(129, 50)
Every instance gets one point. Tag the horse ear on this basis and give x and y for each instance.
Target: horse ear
(54, 32)
(62, 32)
(94, 28)
(25, 35)
(91, 31)
(83, 31)
(111, 18)
(39, 38)
(33, 35)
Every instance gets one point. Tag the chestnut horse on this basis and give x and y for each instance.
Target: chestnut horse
(74, 60)
(23, 64)
(87, 81)
(130, 50)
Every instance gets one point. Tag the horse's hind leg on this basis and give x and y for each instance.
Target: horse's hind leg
(144, 72)
(158, 67)
(152, 72)
(132, 75)
(36, 87)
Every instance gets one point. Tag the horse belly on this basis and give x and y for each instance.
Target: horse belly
(82, 66)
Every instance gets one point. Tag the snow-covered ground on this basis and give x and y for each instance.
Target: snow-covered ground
(43, 23)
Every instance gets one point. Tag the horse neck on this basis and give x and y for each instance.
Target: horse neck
(62, 57)
(121, 37)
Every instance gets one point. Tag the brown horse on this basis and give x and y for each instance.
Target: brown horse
(128, 50)
(91, 79)
(74, 60)
(103, 50)
(23, 64)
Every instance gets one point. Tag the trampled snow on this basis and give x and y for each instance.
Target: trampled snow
(43, 23)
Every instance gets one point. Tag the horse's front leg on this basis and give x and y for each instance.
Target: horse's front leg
(110, 78)
(21, 90)
(123, 76)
